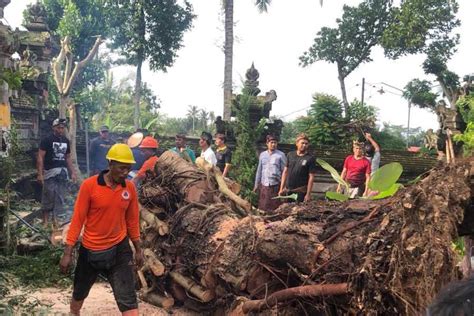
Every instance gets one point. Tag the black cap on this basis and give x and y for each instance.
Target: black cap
(206, 136)
(104, 128)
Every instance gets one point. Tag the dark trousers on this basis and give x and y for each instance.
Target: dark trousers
(120, 276)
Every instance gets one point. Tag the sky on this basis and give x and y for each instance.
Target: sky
(273, 41)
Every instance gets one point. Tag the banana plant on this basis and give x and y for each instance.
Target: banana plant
(337, 177)
(383, 181)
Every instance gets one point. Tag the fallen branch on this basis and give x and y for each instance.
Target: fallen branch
(153, 263)
(189, 285)
(156, 299)
(295, 292)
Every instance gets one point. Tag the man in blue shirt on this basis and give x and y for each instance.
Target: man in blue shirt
(182, 149)
(98, 150)
(271, 164)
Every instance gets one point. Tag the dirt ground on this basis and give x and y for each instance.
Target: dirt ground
(100, 302)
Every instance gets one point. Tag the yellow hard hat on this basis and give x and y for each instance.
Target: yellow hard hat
(121, 153)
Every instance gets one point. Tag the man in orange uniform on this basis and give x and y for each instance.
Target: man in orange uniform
(148, 147)
(107, 208)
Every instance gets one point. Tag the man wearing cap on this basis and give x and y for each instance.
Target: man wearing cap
(54, 166)
(298, 175)
(182, 149)
(107, 209)
(271, 164)
(356, 171)
(98, 150)
(206, 151)
(223, 154)
(149, 147)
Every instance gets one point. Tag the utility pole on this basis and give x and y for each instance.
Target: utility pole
(363, 91)
(408, 125)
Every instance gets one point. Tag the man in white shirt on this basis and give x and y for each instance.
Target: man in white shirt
(206, 152)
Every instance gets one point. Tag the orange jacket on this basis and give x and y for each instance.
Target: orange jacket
(147, 165)
(107, 214)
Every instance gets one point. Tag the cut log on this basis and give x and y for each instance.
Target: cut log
(152, 221)
(156, 299)
(192, 287)
(153, 263)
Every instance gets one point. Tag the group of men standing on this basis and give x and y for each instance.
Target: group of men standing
(279, 175)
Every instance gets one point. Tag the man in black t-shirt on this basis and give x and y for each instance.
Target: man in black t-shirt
(54, 167)
(298, 175)
(223, 154)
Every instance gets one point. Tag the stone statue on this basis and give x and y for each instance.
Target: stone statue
(430, 140)
(251, 84)
(28, 58)
(37, 13)
(220, 125)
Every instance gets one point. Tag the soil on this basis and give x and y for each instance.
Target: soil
(101, 302)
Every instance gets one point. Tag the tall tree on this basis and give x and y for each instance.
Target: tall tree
(350, 43)
(228, 6)
(193, 112)
(148, 30)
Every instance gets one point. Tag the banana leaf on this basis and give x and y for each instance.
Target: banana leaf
(293, 197)
(337, 196)
(387, 193)
(335, 175)
(384, 178)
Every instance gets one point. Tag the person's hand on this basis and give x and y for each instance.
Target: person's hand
(255, 189)
(74, 177)
(40, 179)
(368, 136)
(281, 192)
(307, 197)
(338, 190)
(139, 257)
(65, 263)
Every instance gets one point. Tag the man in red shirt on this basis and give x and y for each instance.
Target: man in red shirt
(149, 146)
(107, 209)
(356, 172)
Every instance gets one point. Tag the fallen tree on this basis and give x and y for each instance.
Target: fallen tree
(373, 257)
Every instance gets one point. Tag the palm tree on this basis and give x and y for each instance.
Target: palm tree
(193, 114)
(228, 6)
(203, 118)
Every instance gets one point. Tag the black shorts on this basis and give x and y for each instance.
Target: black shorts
(120, 276)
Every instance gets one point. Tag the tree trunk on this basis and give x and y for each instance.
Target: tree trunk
(140, 60)
(138, 84)
(228, 56)
(393, 250)
(64, 101)
(72, 133)
(343, 90)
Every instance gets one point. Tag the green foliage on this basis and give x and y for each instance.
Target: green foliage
(149, 30)
(465, 106)
(418, 92)
(467, 138)
(39, 270)
(350, 44)
(387, 193)
(244, 158)
(385, 177)
(362, 115)
(10, 77)
(335, 175)
(337, 196)
(417, 24)
(324, 123)
(391, 137)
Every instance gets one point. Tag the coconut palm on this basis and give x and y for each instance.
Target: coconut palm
(193, 112)
(228, 6)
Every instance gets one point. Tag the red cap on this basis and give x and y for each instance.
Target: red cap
(149, 142)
